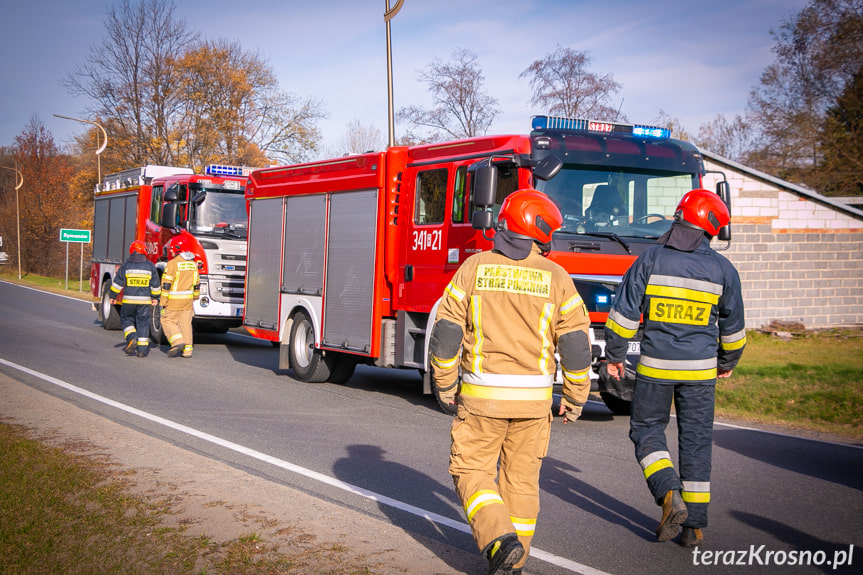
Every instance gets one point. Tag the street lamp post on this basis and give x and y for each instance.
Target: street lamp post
(389, 14)
(101, 148)
(18, 184)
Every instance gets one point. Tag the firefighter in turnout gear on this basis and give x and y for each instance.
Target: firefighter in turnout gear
(180, 288)
(694, 332)
(492, 356)
(139, 282)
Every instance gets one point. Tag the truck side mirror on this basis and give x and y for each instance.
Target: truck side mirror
(548, 167)
(171, 194)
(724, 191)
(169, 215)
(482, 220)
(484, 186)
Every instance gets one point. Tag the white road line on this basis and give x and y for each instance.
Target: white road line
(280, 463)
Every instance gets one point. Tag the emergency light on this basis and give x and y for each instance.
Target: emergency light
(558, 124)
(225, 170)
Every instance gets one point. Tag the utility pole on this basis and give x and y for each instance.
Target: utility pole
(389, 15)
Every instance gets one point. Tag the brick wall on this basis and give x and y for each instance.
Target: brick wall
(799, 255)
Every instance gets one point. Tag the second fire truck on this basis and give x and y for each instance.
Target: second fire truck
(348, 258)
(156, 204)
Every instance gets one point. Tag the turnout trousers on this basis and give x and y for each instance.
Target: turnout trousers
(177, 324)
(651, 410)
(504, 503)
(135, 323)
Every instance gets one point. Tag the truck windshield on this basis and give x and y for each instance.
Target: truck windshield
(218, 212)
(628, 203)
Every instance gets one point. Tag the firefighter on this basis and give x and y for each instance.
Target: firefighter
(181, 285)
(501, 319)
(691, 302)
(139, 281)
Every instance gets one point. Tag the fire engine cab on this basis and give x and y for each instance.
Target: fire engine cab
(156, 204)
(348, 258)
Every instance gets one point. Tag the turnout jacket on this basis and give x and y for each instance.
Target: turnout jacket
(138, 279)
(501, 321)
(692, 307)
(181, 282)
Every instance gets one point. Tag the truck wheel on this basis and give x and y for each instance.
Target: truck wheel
(109, 315)
(157, 334)
(615, 404)
(309, 364)
(343, 368)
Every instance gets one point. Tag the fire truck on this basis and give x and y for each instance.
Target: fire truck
(156, 204)
(348, 258)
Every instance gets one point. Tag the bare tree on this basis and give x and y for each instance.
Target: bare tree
(461, 108)
(731, 139)
(563, 86)
(360, 138)
(818, 52)
(131, 78)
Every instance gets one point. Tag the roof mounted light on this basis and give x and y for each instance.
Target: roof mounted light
(225, 170)
(557, 124)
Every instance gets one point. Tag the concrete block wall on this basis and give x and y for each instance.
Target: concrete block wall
(799, 257)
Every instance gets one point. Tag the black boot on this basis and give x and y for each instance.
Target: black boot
(503, 553)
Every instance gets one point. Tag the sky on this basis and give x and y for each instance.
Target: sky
(691, 60)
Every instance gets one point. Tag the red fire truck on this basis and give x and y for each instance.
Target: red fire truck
(155, 204)
(348, 258)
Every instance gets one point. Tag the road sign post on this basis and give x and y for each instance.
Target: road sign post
(75, 236)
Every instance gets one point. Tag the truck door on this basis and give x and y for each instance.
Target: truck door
(425, 246)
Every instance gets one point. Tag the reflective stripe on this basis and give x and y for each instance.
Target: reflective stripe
(700, 290)
(505, 393)
(654, 467)
(443, 363)
(673, 369)
(508, 380)
(479, 500)
(572, 303)
(137, 299)
(544, 320)
(733, 341)
(454, 291)
(476, 305)
(621, 325)
(524, 527)
(576, 376)
(182, 293)
(653, 457)
(696, 491)
(174, 338)
(128, 330)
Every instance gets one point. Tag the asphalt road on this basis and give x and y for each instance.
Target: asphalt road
(378, 446)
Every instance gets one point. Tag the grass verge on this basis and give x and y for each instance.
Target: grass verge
(71, 514)
(813, 381)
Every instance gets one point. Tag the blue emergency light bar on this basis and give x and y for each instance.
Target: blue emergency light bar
(558, 124)
(225, 170)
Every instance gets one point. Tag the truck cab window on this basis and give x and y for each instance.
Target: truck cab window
(430, 203)
(156, 204)
(458, 195)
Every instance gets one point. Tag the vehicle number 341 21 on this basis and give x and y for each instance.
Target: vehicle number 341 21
(427, 239)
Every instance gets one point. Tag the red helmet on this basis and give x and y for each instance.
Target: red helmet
(530, 213)
(177, 246)
(703, 209)
(137, 247)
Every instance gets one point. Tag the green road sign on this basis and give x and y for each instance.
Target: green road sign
(79, 236)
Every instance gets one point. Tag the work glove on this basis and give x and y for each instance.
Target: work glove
(447, 398)
(569, 410)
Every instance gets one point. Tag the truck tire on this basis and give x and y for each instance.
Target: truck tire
(109, 314)
(157, 334)
(615, 404)
(309, 364)
(343, 368)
